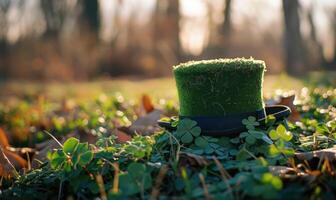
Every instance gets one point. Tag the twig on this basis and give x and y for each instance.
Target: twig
(28, 160)
(178, 145)
(53, 137)
(158, 181)
(115, 188)
(225, 175)
(205, 188)
(101, 186)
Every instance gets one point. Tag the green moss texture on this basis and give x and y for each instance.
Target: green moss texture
(219, 87)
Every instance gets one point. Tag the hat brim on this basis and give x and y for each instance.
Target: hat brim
(232, 125)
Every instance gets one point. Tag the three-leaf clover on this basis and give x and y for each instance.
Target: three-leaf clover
(136, 179)
(251, 137)
(250, 122)
(208, 145)
(280, 133)
(187, 130)
(72, 154)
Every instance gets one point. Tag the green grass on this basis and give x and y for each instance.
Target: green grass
(134, 88)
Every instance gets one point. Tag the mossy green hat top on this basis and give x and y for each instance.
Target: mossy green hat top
(219, 93)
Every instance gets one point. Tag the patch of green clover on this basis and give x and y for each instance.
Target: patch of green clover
(246, 160)
(187, 130)
(208, 146)
(139, 147)
(189, 133)
(252, 134)
(250, 123)
(72, 155)
(136, 179)
(281, 138)
(251, 137)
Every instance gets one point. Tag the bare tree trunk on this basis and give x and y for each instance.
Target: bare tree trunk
(227, 24)
(294, 48)
(4, 48)
(334, 28)
(54, 17)
(317, 49)
(90, 15)
(173, 15)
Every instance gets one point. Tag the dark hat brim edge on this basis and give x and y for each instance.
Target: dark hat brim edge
(232, 125)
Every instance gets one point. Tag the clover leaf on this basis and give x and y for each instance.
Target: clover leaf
(186, 130)
(201, 142)
(268, 178)
(251, 137)
(70, 145)
(72, 154)
(250, 122)
(208, 145)
(280, 133)
(135, 179)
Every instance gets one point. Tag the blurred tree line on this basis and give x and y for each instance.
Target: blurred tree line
(66, 41)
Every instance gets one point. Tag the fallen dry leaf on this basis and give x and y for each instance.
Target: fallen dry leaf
(289, 101)
(147, 103)
(9, 160)
(17, 161)
(122, 137)
(3, 139)
(6, 167)
(145, 125)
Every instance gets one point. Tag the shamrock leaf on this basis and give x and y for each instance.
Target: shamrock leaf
(256, 134)
(235, 140)
(250, 122)
(71, 155)
(70, 145)
(283, 133)
(268, 178)
(280, 133)
(201, 142)
(250, 139)
(244, 134)
(187, 138)
(186, 130)
(208, 145)
(136, 178)
(273, 135)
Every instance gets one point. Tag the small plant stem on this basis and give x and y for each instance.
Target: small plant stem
(177, 156)
(28, 161)
(225, 175)
(158, 181)
(251, 154)
(205, 188)
(60, 190)
(54, 138)
(5, 160)
(115, 188)
(100, 182)
(186, 182)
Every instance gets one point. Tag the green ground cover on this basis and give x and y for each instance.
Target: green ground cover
(274, 161)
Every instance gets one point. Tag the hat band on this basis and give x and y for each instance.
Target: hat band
(224, 125)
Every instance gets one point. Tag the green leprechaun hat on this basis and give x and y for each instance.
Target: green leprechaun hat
(218, 94)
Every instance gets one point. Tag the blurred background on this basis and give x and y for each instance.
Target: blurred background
(81, 40)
